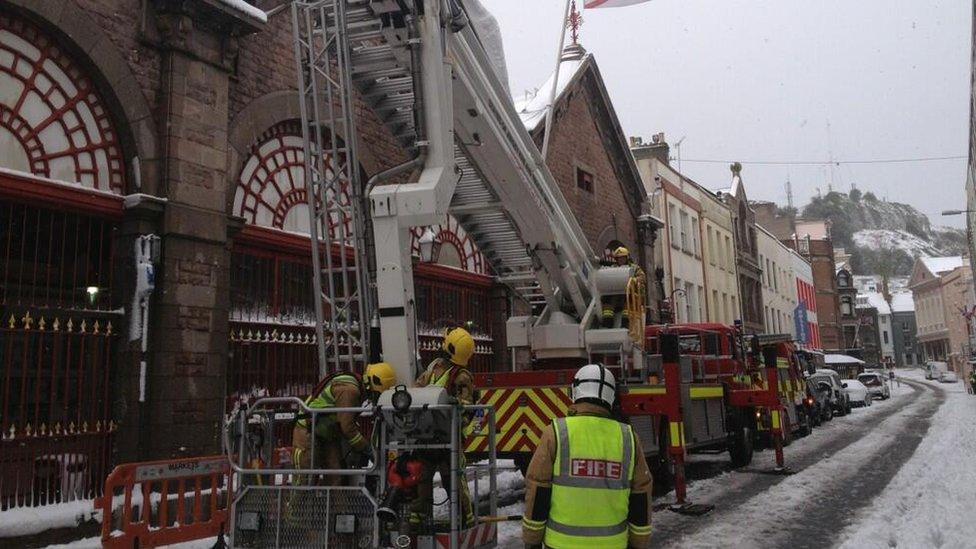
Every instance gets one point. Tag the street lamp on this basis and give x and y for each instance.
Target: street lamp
(430, 246)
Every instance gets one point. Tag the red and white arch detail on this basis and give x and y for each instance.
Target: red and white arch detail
(271, 189)
(53, 123)
(457, 250)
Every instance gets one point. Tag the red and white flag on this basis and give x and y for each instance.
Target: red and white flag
(592, 4)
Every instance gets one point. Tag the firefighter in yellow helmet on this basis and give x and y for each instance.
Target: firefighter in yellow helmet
(337, 435)
(588, 457)
(449, 370)
(618, 304)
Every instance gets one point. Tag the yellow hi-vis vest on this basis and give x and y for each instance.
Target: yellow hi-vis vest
(591, 480)
(325, 399)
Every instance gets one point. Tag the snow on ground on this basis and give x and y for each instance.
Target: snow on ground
(27, 521)
(786, 497)
(94, 543)
(930, 502)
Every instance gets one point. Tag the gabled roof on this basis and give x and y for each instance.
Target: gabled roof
(940, 265)
(578, 69)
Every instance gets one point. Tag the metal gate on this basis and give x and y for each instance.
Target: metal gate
(58, 333)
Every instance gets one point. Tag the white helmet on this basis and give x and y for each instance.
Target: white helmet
(594, 381)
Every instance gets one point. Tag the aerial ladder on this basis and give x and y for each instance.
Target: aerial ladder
(422, 68)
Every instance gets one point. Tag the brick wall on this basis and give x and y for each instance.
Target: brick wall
(577, 142)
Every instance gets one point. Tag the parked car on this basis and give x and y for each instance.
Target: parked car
(934, 369)
(877, 385)
(948, 377)
(859, 395)
(818, 405)
(839, 400)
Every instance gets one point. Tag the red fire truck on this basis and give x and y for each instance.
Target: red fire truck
(699, 388)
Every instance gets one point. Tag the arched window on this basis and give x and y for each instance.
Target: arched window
(846, 306)
(843, 279)
(53, 123)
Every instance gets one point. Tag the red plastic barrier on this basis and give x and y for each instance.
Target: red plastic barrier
(188, 499)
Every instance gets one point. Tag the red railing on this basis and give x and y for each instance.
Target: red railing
(166, 502)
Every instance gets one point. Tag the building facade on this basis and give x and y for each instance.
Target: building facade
(806, 316)
(676, 201)
(904, 329)
(960, 306)
(778, 284)
(850, 322)
(748, 271)
(930, 308)
(699, 243)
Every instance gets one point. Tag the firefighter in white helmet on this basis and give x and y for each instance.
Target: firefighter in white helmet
(589, 457)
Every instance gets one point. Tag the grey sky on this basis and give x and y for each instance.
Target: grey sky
(760, 79)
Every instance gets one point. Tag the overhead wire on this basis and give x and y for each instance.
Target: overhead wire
(827, 162)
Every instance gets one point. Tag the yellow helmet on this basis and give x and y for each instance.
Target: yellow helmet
(459, 346)
(379, 377)
(621, 251)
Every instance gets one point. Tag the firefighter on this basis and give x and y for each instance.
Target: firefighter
(588, 457)
(614, 304)
(450, 370)
(334, 432)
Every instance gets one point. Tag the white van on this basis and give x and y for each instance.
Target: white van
(934, 369)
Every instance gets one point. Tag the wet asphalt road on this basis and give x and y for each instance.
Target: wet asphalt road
(829, 510)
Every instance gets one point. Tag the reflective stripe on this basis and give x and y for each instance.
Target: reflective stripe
(675, 434)
(640, 530)
(533, 524)
(587, 531)
(775, 419)
(565, 479)
(443, 379)
(706, 392)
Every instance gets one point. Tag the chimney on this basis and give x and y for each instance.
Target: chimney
(657, 148)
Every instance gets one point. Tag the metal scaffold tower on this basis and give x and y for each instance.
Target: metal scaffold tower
(340, 277)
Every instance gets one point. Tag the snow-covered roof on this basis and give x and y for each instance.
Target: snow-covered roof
(939, 265)
(876, 300)
(241, 6)
(902, 302)
(841, 359)
(532, 108)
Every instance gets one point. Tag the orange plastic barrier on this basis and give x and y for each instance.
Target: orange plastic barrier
(188, 499)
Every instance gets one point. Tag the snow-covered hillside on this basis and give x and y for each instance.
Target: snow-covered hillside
(883, 239)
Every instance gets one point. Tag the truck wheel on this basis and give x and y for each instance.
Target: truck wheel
(522, 462)
(662, 476)
(740, 447)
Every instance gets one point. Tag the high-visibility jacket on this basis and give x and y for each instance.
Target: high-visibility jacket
(324, 396)
(591, 480)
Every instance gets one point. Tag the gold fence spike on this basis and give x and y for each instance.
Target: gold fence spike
(84, 427)
(108, 328)
(12, 322)
(27, 320)
(13, 431)
(84, 326)
(29, 430)
(71, 324)
(43, 431)
(41, 324)
(98, 426)
(71, 428)
(57, 324)
(57, 428)
(96, 328)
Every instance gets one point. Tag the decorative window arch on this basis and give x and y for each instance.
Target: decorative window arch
(457, 248)
(271, 189)
(53, 122)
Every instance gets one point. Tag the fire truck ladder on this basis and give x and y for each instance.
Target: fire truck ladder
(340, 278)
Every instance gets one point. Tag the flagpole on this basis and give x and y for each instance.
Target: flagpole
(555, 82)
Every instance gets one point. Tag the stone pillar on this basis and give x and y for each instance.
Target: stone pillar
(188, 342)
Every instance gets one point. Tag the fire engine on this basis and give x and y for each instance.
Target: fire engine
(711, 391)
